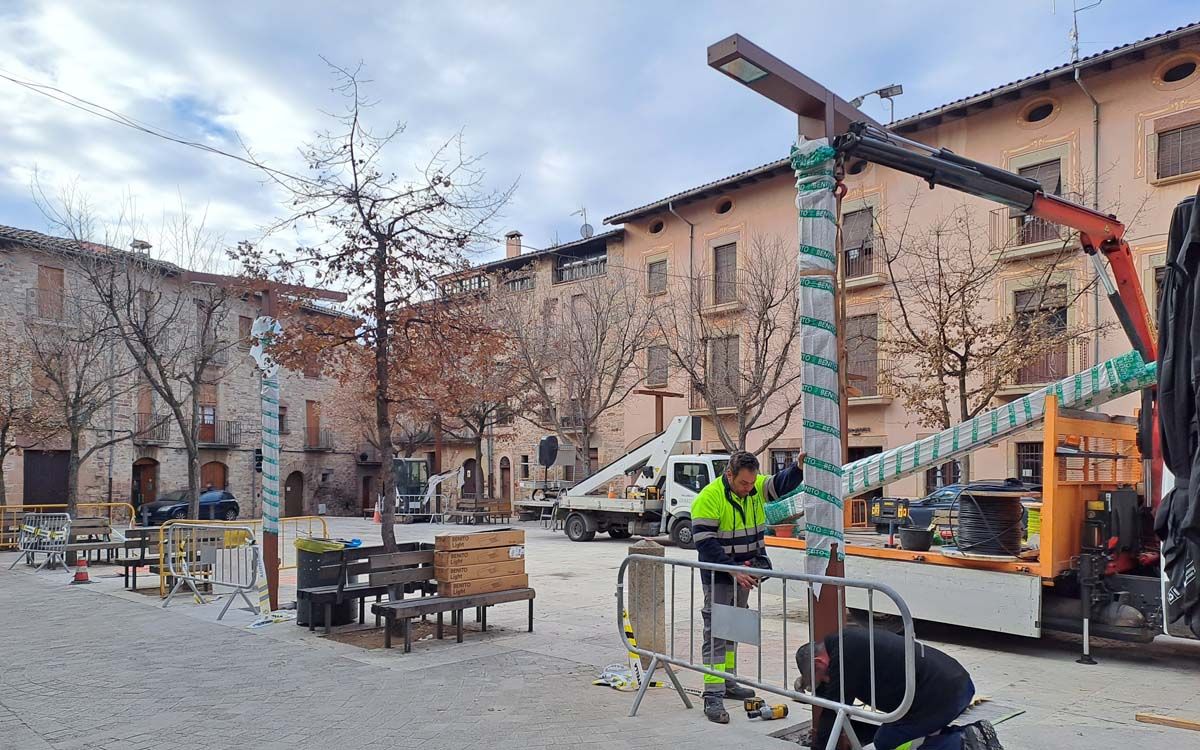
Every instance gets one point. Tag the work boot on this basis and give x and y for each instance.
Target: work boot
(988, 732)
(737, 692)
(980, 735)
(714, 708)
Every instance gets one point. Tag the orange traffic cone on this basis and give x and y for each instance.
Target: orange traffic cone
(81, 572)
(378, 516)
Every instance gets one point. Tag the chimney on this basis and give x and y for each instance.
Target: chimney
(512, 244)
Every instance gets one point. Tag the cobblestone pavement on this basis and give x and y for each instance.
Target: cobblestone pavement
(99, 667)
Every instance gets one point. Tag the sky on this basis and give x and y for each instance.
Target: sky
(597, 105)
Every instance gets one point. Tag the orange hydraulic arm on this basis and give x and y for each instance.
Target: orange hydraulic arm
(1099, 234)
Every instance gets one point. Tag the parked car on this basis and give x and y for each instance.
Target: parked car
(218, 505)
(921, 512)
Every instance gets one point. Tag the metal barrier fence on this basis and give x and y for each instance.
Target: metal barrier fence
(216, 555)
(744, 626)
(290, 529)
(118, 514)
(43, 534)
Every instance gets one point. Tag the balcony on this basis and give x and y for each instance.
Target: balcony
(318, 440)
(721, 398)
(866, 387)
(220, 433)
(862, 265)
(151, 429)
(1026, 236)
(1046, 368)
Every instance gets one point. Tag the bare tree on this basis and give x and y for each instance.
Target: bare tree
(578, 357)
(24, 420)
(177, 327)
(80, 371)
(388, 239)
(951, 352)
(740, 357)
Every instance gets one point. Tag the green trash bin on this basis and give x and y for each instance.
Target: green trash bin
(311, 555)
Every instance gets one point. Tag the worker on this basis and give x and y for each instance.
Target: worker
(943, 691)
(729, 523)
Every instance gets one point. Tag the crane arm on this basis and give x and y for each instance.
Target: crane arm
(1099, 233)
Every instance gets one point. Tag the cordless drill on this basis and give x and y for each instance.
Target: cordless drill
(768, 713)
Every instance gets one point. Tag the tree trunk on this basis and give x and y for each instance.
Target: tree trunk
(383, 415)
(73, 476)
(480, 478)
(3, 491)
(191, 443)
(963, 410)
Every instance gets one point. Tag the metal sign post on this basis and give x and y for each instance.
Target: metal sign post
(264, 331)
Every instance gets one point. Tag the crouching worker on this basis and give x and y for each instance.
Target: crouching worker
(943, 691)
(729, 523)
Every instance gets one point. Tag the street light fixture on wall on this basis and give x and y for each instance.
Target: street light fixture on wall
(887, 92)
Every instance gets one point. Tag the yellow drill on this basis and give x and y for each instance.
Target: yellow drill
(768, 713)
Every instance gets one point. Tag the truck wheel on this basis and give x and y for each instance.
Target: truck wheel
(622, 533)
(577, 528)
(681, 534)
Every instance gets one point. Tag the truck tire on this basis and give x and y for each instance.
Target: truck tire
(577, 528)
(619, 533)
(681, 533)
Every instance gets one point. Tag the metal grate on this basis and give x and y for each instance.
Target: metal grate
(1100, 463)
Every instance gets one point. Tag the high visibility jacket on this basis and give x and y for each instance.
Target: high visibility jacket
(728, 529)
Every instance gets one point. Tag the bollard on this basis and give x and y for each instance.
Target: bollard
(647, 611)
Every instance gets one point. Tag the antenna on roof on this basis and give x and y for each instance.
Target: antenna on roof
(585, 231)
(1073, 34)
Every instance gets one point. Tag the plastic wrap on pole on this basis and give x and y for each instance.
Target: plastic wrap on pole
(1103, 383)
(820, 495)
(270, 458)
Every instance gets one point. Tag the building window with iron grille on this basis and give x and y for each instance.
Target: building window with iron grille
(940, 476)
(1043, 310)
(524, 465)
(858, 242)
(862, 353)
(1029, 462)
(656, 277)
(656, 365)
(1179, 151)
(1030, 229)
(783, 458)
(577, 267)
(519, 284)
(725, 274)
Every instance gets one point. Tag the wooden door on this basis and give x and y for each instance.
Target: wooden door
(208, 412)
(45, 476)
(293, 495)
(214, 474)
(506, 480)
(144, 487)
(368, 493)
(470, 479)
(312, 423)
(50, 293)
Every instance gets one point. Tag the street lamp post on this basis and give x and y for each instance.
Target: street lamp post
(820, 113)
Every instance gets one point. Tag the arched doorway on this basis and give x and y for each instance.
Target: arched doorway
(470, 478)
(214, 474)
(144, 486)
(505, 480)
(293, 494)
(368, 494)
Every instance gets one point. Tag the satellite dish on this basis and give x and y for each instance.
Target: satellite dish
(586, 231)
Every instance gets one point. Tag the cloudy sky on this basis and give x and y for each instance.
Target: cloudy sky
(603, 105)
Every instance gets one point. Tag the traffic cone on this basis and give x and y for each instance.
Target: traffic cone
(378, 516)
(81, 572)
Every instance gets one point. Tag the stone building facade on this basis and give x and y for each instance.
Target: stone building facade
(325, 466)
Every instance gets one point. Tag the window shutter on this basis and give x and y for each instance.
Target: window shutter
(1048, 174)
(858, 229)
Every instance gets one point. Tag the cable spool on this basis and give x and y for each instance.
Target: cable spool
(988, 523)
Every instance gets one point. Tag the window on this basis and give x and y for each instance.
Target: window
(657, 226)
(1029, 462)
(207, 396)
(464, 286)
(858, 241)
(524, 465)
(656, 365)
(862, 353)
(724, 206)
(781, 459)
(312, 367)
(1179, 151)
(1179, 71)
(284, 428)
(593, 458)
(725, 276)
(245, 325)
(573, 268)
(656, 277)
(312, 423)
(1045, 311)
(692, 476)
(940, 476)
(1030, 229)
(724, 372)
(519, 284)
(49, 293)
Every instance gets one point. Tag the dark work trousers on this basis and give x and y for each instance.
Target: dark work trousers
(930, 730)
(719, 653)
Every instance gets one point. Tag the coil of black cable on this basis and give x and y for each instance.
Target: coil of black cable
(988, 524)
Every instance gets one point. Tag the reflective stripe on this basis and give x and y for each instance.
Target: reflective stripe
(706, 524)
(741, 549)
(700, 536)
(713, 679)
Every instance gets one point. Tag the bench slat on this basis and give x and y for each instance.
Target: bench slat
(431, 605)
(394, 559)
(406, 575)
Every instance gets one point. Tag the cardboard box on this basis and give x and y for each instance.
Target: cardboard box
(474, 572)
(455, 541)
(478, 556)
(483, 585)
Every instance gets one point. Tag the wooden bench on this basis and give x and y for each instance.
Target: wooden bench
(92, 535)
(391, 574)
(140, 550)
(406, 610)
